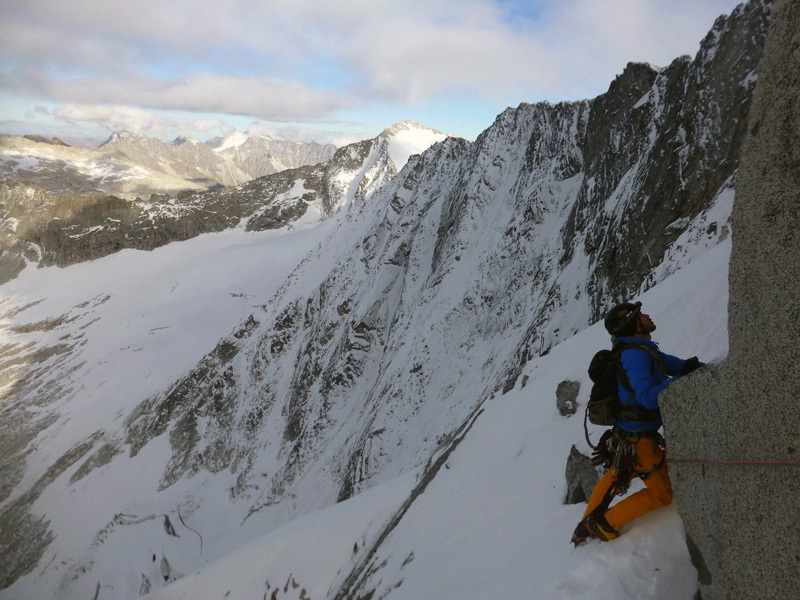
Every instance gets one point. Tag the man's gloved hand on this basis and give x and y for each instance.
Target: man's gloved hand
(689, 365)
(603, 455)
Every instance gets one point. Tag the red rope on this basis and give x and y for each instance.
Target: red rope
(771, 463)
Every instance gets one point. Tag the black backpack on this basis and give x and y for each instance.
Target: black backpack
(604, 403)
(604, 406)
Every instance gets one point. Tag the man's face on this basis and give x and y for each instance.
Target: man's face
(645, 324)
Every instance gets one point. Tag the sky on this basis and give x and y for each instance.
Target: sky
(333, 71)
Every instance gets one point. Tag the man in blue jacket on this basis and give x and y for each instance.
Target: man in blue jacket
(634, 447)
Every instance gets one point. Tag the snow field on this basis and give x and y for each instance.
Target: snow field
(493, 523)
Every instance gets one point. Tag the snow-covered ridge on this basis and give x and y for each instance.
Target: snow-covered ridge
(237, 138)
(236, 159)
(64, 169)
(66, 230)
(407, 138)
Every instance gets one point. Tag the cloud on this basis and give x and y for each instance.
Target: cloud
(560, 50)
(308, 60)
(430, 57)
(37, 111)
(135, 120)
(265, 98)
(270, 99)
(307, 134)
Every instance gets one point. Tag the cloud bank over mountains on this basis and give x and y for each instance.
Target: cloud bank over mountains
(186, 68)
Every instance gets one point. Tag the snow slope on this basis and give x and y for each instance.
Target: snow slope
(407, 138)
(140, 319)
(135, 322)
(493, 523)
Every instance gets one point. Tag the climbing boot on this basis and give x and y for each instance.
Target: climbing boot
(593, 526)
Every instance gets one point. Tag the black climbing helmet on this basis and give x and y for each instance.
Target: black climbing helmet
(621, 320)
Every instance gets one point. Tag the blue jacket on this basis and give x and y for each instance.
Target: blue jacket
(646, 378)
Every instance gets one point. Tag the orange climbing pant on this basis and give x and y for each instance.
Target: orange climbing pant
(651, 466)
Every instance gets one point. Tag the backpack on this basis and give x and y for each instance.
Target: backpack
(604, 403)
(604, 406)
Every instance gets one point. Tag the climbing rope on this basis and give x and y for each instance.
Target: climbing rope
(769, 463)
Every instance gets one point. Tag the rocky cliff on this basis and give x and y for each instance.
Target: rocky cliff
(54, 167)
(733, 430)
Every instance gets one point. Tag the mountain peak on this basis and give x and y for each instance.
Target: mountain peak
(182, 139)
(121, 136)
(54, 141)
(406, 125)
(237, 138)
(407, 138)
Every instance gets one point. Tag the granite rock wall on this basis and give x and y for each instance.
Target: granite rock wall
(734, 430)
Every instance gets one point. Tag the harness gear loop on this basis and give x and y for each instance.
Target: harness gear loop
(623, 446)
(624, 463)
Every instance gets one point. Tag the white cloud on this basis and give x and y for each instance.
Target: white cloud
(169, 126)
(269, 99)
(135, 120)
(306, 60)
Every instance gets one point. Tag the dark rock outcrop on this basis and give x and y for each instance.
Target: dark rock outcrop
(567, 397)
(45, 140)
(581, 477)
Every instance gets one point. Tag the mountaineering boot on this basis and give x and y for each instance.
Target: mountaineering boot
(593, 526)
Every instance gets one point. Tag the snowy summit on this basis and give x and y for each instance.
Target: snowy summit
(407, 138)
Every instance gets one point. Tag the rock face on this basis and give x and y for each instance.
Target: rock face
(734, 430)
(183, 158)
(436, 284)
(72, 228)
(262, 155)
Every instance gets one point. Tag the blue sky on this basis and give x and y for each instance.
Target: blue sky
(330, 70)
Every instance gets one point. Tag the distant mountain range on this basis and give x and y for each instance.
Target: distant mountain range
(232, 160)
(128, 165)
(61, 205)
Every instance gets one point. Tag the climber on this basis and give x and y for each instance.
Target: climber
(633, 447)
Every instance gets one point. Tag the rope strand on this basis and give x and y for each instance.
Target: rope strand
(769, 463)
